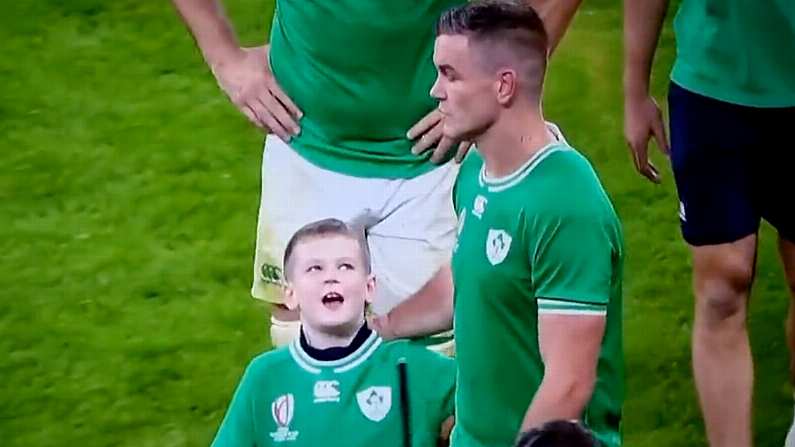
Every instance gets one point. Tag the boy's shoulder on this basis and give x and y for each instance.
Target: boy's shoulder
(269, 361)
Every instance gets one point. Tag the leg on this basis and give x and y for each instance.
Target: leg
(722, 281)
(710, 146)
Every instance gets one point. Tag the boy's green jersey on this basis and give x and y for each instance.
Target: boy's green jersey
(288, 398)
(545, 239)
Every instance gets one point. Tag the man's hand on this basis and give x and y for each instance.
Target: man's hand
(428, 132)
(380, 324)
(248, 81)
(642, 120)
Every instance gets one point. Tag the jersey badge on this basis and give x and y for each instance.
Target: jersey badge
(498, 243)
(375, 402)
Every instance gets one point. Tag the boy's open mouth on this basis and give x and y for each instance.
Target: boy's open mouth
(332, 300)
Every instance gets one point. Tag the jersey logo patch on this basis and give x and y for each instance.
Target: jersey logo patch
(327, 391)
(282, 410)
(375, 402)
(479, 206)
(498, 243)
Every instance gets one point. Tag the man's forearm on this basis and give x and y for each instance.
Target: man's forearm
(556, 15)
(209, 26)
(558, 398)
(643, 20)
(427, 312)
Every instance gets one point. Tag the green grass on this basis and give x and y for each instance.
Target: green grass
(128, 198)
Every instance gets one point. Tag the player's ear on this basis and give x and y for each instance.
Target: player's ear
(506, 86)
(290, 300)
(370, 289)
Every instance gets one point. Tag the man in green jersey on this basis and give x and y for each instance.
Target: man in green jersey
(338, 384)
(342, 87)
(538, 263)
(731, 103)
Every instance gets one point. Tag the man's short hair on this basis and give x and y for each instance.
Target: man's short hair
(558, 434)
(326, 228)
(510, 32)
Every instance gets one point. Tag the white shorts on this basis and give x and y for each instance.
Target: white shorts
(410, 223)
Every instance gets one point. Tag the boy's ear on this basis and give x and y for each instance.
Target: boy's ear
(370, 288)
(290, 300)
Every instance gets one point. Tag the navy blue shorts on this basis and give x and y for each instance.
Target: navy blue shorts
(733, 165)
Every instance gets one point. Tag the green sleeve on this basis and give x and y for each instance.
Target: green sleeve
(571, 256)
(237, 428)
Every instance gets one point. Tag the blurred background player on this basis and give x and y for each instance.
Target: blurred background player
(731, 102)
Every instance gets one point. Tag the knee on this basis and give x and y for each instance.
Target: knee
(722, 294)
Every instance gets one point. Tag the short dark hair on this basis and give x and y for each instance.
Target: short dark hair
(507, 28)
(325, 228)
(558, 434)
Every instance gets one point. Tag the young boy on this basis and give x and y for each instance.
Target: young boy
(338, 384)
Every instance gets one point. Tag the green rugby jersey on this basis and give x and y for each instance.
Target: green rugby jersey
(360, 70)
(737, 51)
(544, 239)
(288, 398)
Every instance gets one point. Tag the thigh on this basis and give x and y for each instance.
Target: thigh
(294, 193)
(710, 147)
(415, 236)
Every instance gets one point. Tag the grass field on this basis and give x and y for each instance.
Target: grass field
(128, 198)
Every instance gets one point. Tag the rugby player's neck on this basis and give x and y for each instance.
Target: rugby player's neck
(341, 337)
(513, 139)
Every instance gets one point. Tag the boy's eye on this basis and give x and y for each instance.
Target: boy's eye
(313, 268)
(346, 266)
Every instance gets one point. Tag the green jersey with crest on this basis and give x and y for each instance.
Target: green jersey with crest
(360, 70)
(288, 398)
(544, 239)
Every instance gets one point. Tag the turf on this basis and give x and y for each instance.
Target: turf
(128, 199)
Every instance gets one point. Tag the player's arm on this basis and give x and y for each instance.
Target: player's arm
(237, 428)
(242, 73)
(213, 33)
(570, 346)
(574, 249)
(427, 312)
(557, 16)
(643, 20)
